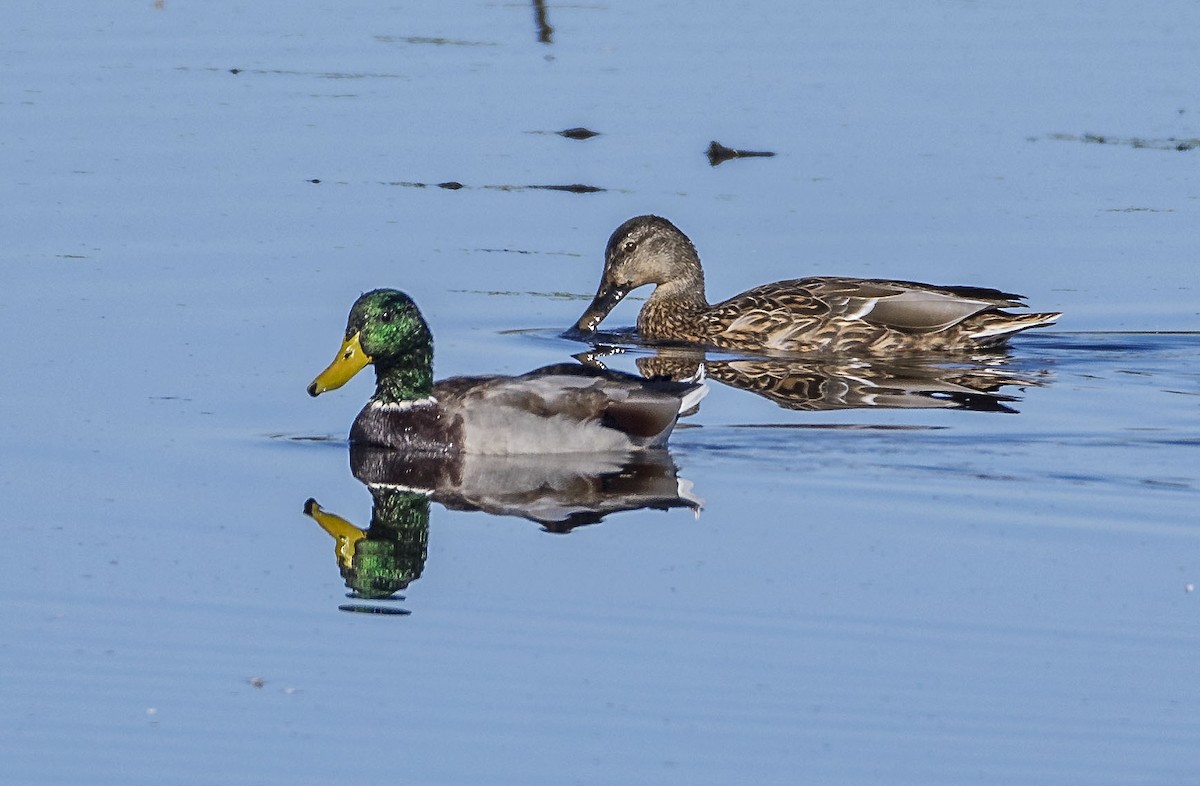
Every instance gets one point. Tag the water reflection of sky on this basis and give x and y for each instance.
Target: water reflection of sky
(932, 596)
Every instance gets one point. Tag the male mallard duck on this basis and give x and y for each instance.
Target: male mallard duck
(556, 409)
(822, 314)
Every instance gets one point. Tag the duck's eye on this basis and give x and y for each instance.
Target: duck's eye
(386, 316)
(628, 246)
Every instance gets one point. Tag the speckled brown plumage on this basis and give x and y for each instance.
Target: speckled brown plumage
(822, 314)
(833, 383)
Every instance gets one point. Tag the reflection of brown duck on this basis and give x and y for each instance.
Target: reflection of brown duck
(848, 383)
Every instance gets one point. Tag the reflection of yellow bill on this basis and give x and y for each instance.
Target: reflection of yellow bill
(349, 361)
(346, 534)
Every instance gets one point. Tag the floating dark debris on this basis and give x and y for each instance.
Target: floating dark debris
(1169, 143)
(435, 41)
(454, 185)
(288, 72)
(579, 133)
(360, 608)
(308, 438)
(545, 33)
(719, 154)
(527, 293)
(574, 188)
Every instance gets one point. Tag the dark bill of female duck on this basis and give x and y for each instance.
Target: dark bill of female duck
(606, 299)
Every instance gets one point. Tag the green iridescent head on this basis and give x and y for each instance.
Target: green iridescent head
(386, 329)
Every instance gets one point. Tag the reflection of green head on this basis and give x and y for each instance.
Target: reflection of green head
(392, 555)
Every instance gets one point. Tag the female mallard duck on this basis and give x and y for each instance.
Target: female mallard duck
(822, 314)
(557, 409)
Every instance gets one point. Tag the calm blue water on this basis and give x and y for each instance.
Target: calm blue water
(917, 595)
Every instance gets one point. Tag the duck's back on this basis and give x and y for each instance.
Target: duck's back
(566, 408)
(841, 314)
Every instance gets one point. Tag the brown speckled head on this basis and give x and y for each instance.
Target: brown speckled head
(643, 250)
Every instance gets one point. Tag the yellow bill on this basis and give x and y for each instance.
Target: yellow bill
(349, 361)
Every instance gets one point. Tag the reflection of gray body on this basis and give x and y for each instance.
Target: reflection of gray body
(558, 491)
